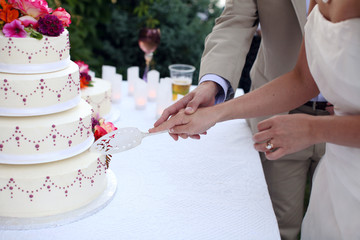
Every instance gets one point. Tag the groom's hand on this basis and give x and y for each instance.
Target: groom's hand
(202, 96)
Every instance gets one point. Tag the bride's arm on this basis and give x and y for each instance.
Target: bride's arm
(342, 130)
(280, 95)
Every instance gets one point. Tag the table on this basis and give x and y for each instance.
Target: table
(212, 188)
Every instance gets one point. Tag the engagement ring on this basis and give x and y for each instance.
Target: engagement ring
(269, 145)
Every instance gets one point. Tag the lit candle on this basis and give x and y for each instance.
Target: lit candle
(116, 88)
(140, 94)
(153, 82)
(140, 103)
(152, 94)
(164, 96)
(132, 75)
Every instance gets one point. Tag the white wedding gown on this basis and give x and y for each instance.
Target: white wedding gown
(333, 53)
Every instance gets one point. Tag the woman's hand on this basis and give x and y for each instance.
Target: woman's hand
(285, 134)
(190, 125)
(202, 96)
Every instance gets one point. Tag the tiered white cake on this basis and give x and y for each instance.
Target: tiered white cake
(45, 165)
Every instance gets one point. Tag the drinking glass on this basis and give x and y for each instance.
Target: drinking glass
(181, 76)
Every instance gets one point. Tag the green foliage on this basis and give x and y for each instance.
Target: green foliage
(142, 11)
(105, 32)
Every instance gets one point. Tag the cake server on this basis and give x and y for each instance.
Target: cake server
(120, 140)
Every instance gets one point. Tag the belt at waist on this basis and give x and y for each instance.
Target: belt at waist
(316, 105)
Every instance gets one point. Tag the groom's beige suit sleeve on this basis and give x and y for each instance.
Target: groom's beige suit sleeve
(228, 44)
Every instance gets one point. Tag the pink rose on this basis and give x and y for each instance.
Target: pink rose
(28, 20)
(108, 126)
(83, 68)
(103, 128)
(63, 16)
(33, 8)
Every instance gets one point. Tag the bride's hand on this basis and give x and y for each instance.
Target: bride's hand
(284, 134)
(184, 124)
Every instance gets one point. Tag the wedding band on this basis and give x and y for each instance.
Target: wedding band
(269, 145)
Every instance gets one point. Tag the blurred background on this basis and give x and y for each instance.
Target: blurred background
(105, 32)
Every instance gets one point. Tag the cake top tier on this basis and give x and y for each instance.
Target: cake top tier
(33, 37)
(30, 55)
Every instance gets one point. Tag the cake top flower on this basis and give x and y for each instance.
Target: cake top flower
(36, 17)
(14, 29)
(7, 12)
(31, 8)
(50, 25)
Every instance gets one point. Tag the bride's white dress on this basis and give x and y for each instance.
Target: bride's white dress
(333, 53)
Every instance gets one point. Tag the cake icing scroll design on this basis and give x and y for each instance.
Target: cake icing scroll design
(41, 89)
(13, 47)
(15, 188)
(17, 139)
(99, 104)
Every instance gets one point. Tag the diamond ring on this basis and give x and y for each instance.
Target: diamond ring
(269, 145)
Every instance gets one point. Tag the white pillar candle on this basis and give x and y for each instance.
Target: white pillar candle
(140, 94)
(116, 88)
(132, 75)
(153, 82)
(164, 96)
(108, 72)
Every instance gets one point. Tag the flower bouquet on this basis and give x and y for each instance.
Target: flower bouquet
(85, 78)
(20, 18)
(101, 128)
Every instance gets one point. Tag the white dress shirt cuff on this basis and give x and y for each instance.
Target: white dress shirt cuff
(225, 86)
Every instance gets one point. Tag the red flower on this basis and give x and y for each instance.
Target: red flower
(99, 132)
(85, 80)
(103, 128)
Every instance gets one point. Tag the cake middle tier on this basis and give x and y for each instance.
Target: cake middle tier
(39, 94)
(38, 139)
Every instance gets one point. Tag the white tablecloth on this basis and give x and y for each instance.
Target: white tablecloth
(212, 188)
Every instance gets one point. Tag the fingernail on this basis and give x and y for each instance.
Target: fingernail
(189, 109)
(171, 130)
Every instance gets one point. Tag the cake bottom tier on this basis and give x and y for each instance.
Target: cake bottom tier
(38, 190)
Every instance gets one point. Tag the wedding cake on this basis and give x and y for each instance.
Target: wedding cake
(46, 167)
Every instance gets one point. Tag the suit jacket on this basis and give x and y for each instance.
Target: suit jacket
(227, 45)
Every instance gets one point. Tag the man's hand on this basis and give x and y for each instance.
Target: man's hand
(189, 124)
(202, 96)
